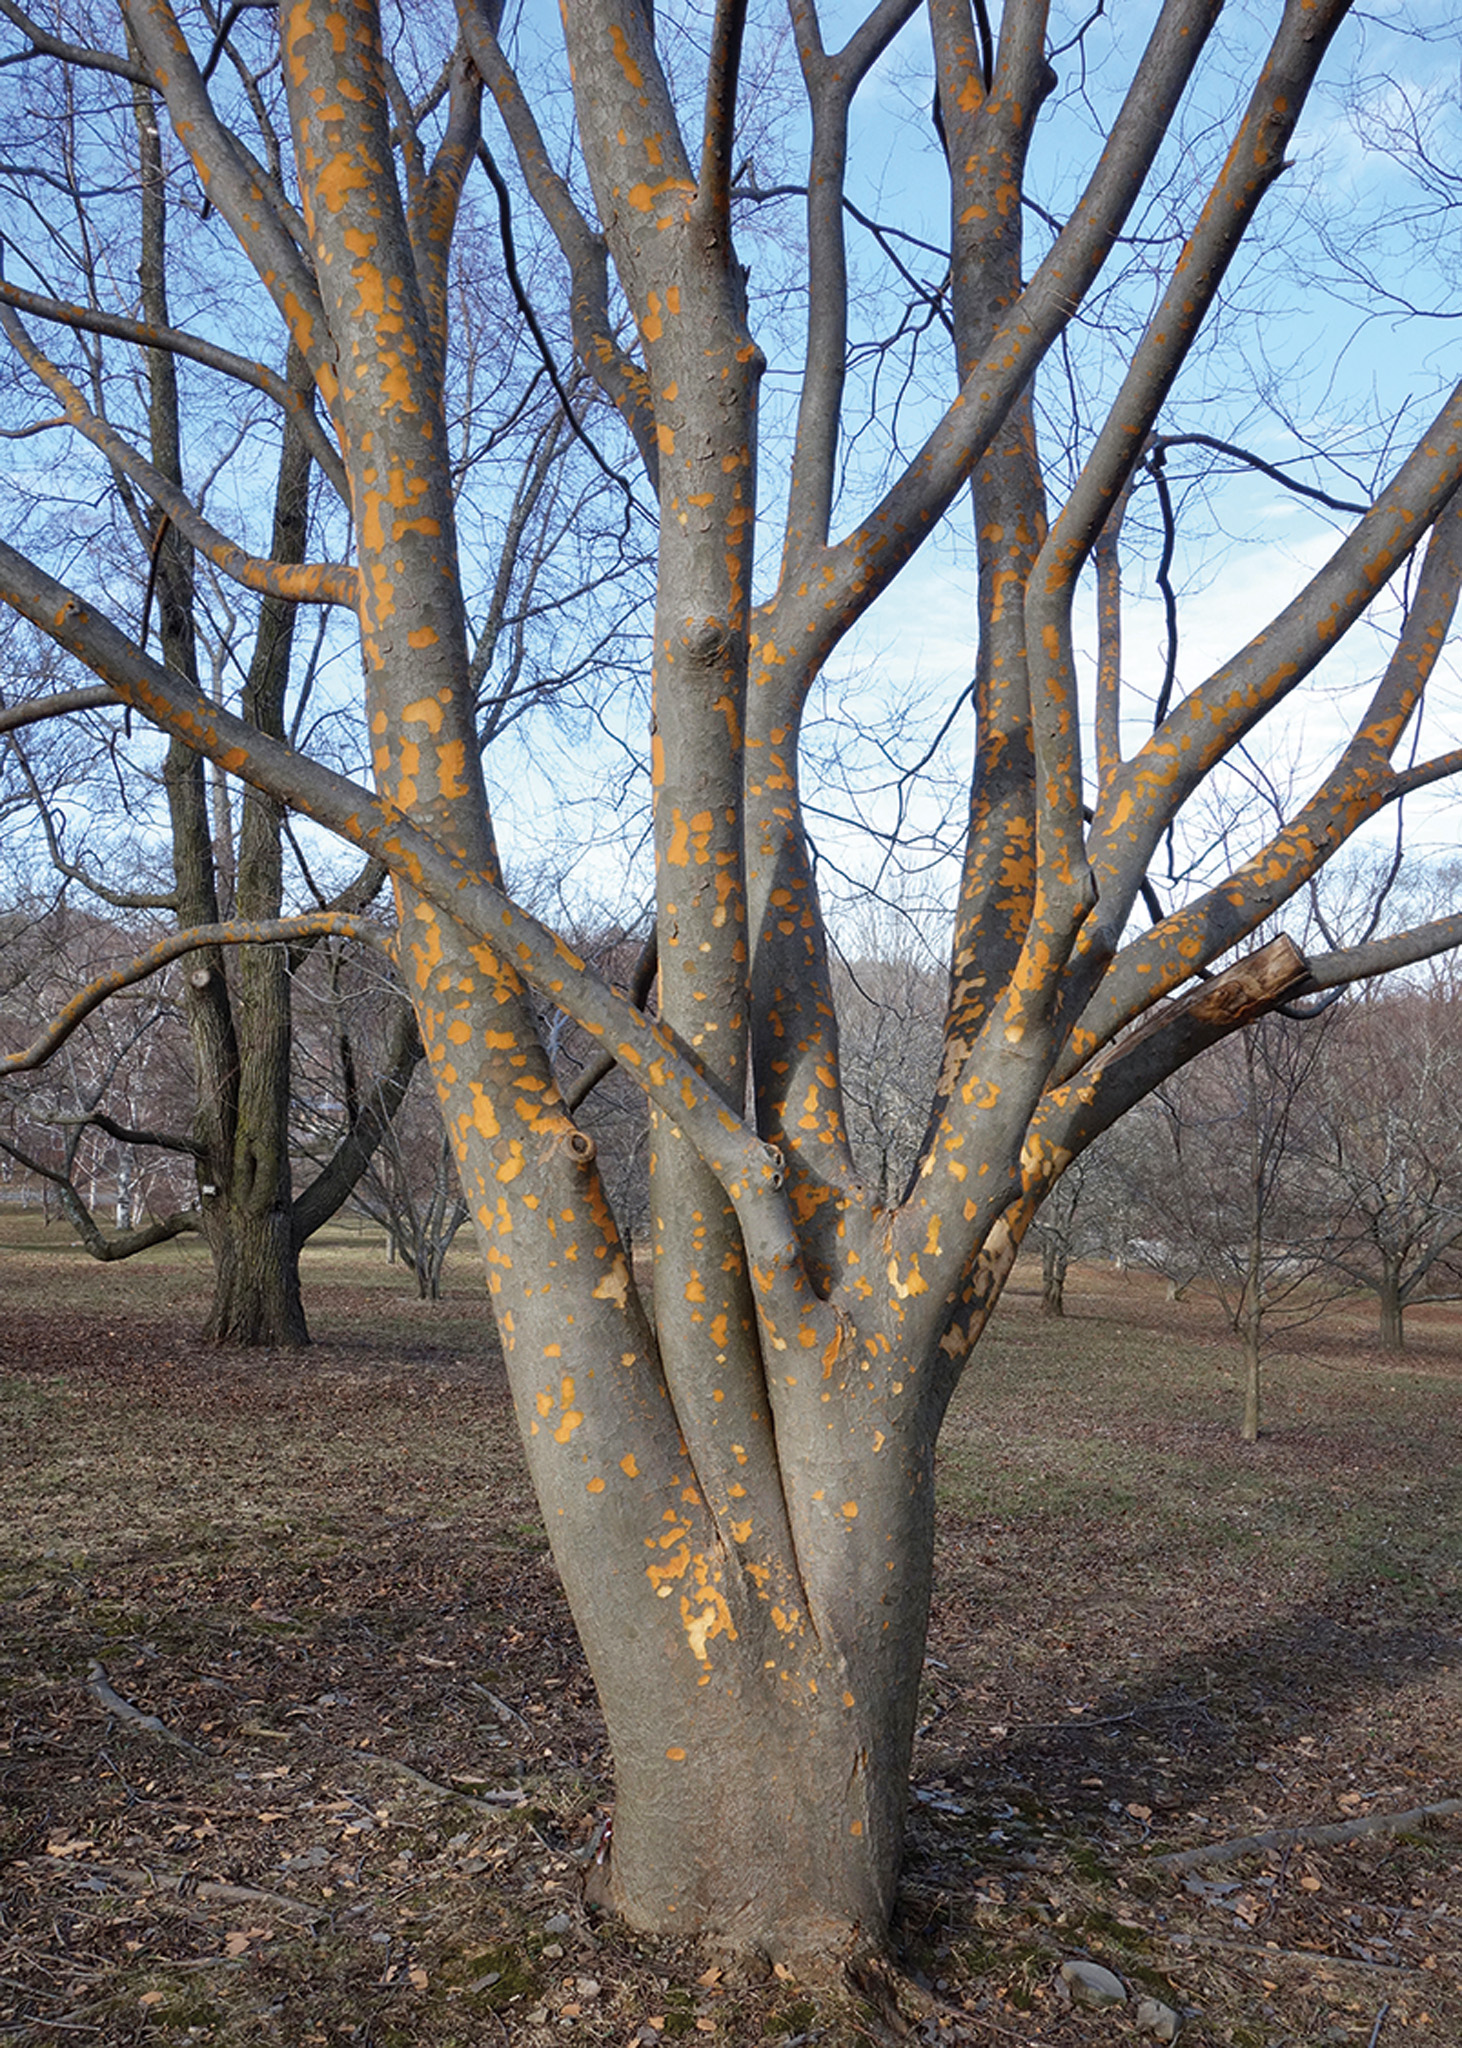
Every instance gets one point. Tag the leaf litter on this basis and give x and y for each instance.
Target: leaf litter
(358, 1763)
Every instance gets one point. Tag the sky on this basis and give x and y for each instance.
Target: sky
(1316, 361)
(1312, 362)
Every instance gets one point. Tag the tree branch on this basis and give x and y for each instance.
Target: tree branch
(317, 1203)
(617, 374)
(713, 191)
(238, 187)
(307, 583)
(292, 403)
(127, 1243)
(1253, 162)
(277, 931)
(517, 946)
(47, 45)
(859, 568)
(163, 1141)
(92, 697)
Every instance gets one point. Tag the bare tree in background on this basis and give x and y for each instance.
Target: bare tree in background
(1386, 1153)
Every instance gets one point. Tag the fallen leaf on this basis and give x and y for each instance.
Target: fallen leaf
(236, 1943)
(1139, 1812)
(152, 1998)
(709, 1977)
(1310, 1884)
(418, 1976)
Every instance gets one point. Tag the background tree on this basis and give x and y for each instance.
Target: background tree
(1386, 1147)
(737, 1478)
(1241, 1180)
(228, 856)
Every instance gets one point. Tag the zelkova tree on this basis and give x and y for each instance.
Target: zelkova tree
(738, 1481)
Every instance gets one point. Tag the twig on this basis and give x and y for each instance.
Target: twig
(1293, 1955)
(1380, 2022)
(1111, 1720)
(1321, 1837)
(100, 1688)
(495, 1803)
(186, 1887)
(501, 1708)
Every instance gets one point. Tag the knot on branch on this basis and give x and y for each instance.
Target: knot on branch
(707, 642)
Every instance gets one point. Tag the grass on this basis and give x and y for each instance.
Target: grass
(317, 1569)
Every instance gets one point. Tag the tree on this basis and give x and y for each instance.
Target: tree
(737, 1480)
(1387, 1151)
(229, 859)
(1252, 1218)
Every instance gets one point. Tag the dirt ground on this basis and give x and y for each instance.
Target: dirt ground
(298, 1746)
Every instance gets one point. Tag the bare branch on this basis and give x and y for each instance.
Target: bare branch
(126, 1243)
(162, 1141)
(621, 379)
(44, 44)
(308, 583)
(266, 227)
(516, 943)
(293, 403)
(93, 697)
(274, 932)
(860, 567)
(713, 195)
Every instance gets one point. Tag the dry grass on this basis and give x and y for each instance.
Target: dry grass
(316, 1570)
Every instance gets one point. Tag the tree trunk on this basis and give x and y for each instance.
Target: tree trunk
(761, 1779)
(256, 1285)
(1393, 1333)
(1252, 1341)
(1053, 1279)
(1250, 1318)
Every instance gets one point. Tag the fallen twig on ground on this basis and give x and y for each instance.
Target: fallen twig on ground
(1324, 1836)
(1293, 1955)
(495, 1803)
(100, 1687)
(186, 1886)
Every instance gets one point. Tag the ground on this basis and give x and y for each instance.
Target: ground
(375, 1773)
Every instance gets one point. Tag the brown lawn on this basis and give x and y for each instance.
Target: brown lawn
(373, 1768)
